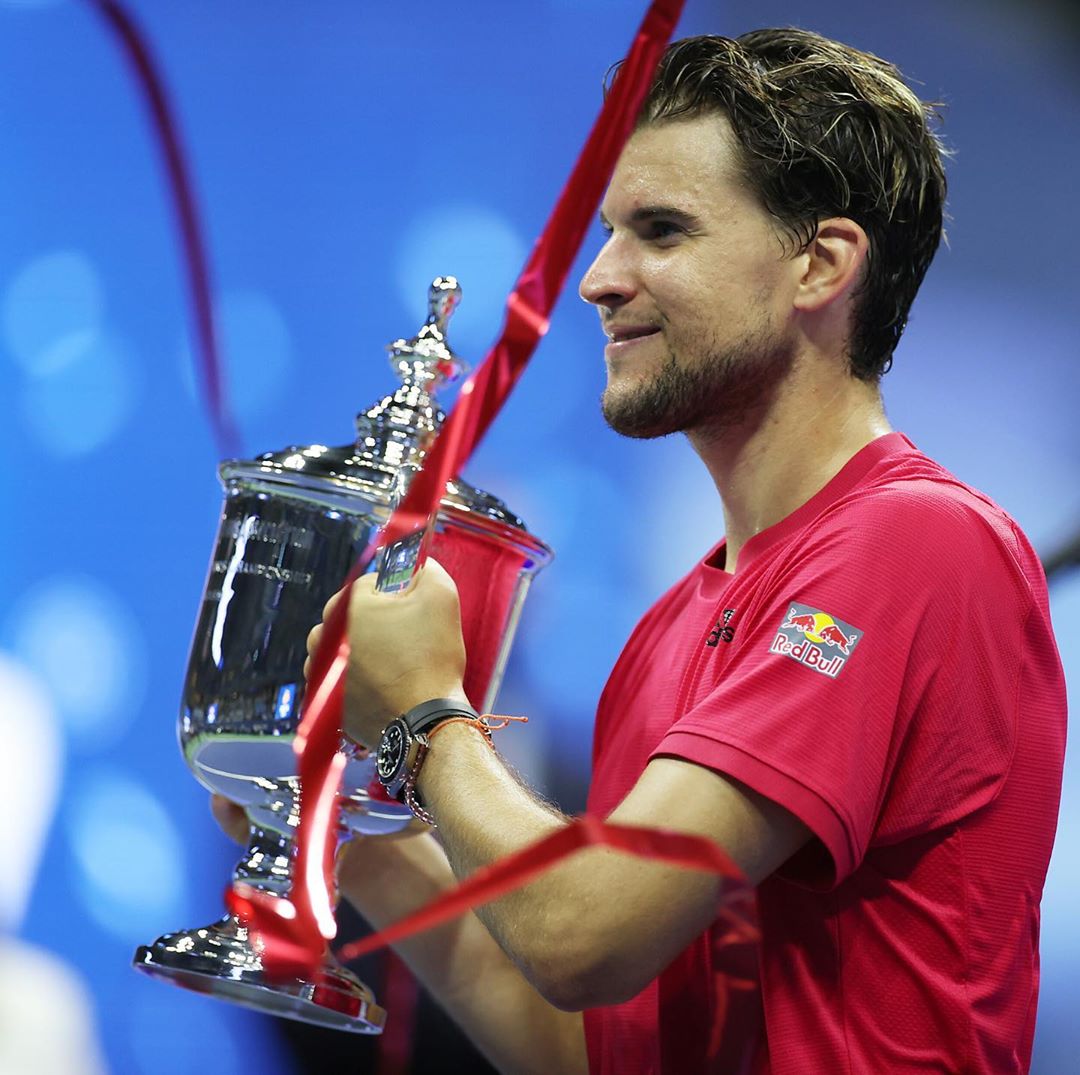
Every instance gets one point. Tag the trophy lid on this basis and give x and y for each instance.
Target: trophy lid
(393, 435)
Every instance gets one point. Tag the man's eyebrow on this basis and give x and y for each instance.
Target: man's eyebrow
(668, 212)
(653, 212)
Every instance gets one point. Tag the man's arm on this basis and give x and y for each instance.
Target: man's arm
(600, 926)
(386, 878)
(459, 963)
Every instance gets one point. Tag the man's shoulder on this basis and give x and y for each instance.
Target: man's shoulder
(911, 519)
(917, 498)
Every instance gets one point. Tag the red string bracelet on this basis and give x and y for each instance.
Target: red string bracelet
(484, 724)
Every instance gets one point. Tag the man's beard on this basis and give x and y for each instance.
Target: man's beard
(721, 392)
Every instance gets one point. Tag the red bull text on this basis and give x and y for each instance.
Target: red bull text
(815, 639)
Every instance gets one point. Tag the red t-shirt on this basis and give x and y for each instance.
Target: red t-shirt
(882, 665)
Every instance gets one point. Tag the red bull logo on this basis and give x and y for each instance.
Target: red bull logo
(815, 639)
(833, 636)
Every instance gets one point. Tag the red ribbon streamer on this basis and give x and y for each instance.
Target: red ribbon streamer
(138, 52)
(293, 932)
(519, 868)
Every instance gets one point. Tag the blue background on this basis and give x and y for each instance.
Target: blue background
(344, 154)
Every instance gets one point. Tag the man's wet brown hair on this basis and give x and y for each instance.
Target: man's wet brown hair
(826, 130)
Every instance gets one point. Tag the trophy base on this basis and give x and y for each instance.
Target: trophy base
(220, 961)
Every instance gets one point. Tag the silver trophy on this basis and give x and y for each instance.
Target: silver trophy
(293, 524)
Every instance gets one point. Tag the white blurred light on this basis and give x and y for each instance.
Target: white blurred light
(54, 296)
(87, 648)
(30, 745)
(46, 1010)
(481, 249)
(80, 393)
(256, 351)
(128, 853)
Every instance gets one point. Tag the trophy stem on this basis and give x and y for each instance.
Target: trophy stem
(267, 863)
(222, 960)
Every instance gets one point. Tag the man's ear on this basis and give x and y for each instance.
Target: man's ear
(834, 263)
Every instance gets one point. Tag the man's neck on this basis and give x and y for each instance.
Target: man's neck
(776, 461)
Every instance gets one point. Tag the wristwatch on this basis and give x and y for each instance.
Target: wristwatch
(404, 743)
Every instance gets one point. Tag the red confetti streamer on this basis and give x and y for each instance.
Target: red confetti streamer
(519, 868)
(138, 51)
(293, 932)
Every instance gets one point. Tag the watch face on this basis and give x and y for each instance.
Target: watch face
(392, 748)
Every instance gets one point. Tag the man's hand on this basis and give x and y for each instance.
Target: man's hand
(231, 817)
(404, 649)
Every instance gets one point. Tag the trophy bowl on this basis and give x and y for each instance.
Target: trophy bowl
(293, 523)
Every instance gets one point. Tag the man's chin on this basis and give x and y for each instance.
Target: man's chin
(631, 417)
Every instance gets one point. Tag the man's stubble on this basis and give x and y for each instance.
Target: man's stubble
(722, 391)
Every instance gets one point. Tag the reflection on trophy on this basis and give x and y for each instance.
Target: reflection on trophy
(293, 524)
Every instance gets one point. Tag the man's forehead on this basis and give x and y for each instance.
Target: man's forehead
(672, 164)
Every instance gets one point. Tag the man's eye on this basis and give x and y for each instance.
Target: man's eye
(662, 229)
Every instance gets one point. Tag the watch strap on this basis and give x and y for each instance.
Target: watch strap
(411, 727)
(423, 717)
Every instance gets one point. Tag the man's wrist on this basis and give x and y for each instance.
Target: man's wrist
(366, 720)
(427, 715)
(456, 741)
(403, 746)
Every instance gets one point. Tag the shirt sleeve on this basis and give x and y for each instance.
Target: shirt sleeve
(869, 687)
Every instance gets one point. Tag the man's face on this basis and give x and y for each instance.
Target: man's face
(692, 286)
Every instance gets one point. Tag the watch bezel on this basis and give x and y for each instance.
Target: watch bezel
(393, 756)
(403, 742)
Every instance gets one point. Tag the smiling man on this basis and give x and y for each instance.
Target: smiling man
(856, 693)
(689, 291)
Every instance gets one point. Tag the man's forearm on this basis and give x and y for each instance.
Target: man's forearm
(459, 963)
(484, 813)
(597, 928)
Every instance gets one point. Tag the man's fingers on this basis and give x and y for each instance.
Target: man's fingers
(365, 584)
(312, 645)
(232, 819)
(329, 606)
(439, 578)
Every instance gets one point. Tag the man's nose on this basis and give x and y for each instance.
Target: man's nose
(608, 281)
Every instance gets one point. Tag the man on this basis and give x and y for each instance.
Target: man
(856, 694)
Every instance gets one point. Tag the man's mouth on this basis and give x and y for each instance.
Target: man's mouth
(617, 334)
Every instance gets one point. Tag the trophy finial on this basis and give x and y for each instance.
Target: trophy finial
(443, 298)
(427, 358)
